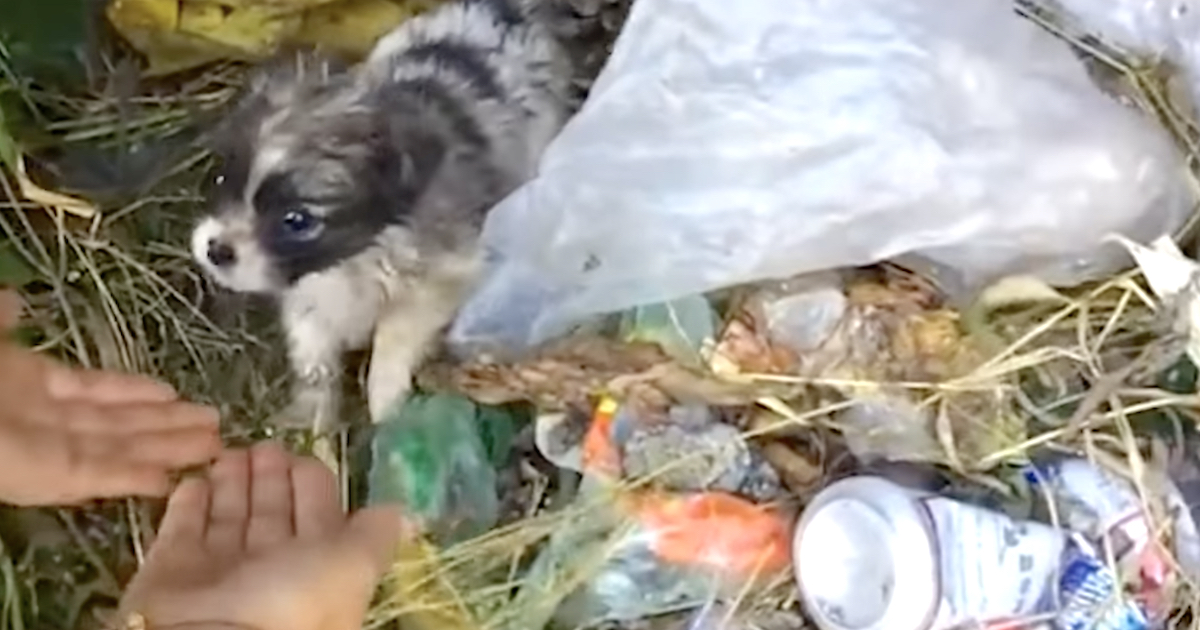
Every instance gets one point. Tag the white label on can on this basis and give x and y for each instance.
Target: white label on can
(1111, 498)
(1102, 505)
(992, 567)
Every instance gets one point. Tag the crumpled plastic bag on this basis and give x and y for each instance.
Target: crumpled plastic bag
(436, 454)
(1166, 29)
(1150, 26)
(641, 554)
(722, 147)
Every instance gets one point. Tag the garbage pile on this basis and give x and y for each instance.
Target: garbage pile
(822, 314)
(750, 480)
(861, 315)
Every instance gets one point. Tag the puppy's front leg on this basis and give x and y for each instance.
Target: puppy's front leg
(403, 336)
(315, 353)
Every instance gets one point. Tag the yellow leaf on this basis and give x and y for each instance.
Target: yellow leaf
(288, 6)
(150, 27)
(177, 35)
(353, 26)
(143, 15)
(254, 31)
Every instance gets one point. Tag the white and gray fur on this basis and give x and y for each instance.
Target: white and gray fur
(356, 197)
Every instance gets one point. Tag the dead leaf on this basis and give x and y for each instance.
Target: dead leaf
(800, 475)
(577, 369)
(150, 27)
(931, 346)
(176, 35)
(254, 31)
(876, 294)
(689, 387)
(351, 27)
(745, 346)
(572, 370)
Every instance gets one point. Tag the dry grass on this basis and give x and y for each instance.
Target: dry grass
(1094, 361)
(120, 292)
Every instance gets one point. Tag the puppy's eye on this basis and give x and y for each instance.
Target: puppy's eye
(300, 222)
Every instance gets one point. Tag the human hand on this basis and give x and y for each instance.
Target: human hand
(67, 434)
(263, 543)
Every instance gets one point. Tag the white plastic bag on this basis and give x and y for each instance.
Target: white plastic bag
(1150, 27)
(1168, 29)
(723, 145)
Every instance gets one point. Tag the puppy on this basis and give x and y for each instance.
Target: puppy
(356, 197)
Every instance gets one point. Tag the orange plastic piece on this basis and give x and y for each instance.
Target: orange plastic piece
(600, 456)
(1154, 570)
(717, 530)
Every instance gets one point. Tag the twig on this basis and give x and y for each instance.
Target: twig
(1105, 387)
(102, 570)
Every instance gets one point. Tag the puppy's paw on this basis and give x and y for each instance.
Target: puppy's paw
(293, 417)
(313, 409)
(388, 387)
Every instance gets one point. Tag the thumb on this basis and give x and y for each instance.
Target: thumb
(359, 556)
(375, 533)
(11, 305)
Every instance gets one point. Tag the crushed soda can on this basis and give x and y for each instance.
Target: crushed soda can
(1108, 511)
(870, 554)
(1090, 596)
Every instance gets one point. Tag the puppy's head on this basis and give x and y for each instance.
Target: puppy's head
(311, 169)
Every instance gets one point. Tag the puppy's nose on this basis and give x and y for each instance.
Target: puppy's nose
(220, 254)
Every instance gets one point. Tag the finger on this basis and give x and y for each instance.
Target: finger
(186, 517)
(177, 555)
(178, 448)
(133, 417)
(11, 306)
(104, 386)
(229, 510)
(173, 449)
(374, 535)
(73, 473)
(106, 479)
(365, 550)
(270, 498)
(315, 495)
(102, 466)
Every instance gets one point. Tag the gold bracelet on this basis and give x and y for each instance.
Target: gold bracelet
(134, 621)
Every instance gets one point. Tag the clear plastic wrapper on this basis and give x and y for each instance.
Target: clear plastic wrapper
(654, 553)
(1160, 29)
(1154, 27)
(723, 147)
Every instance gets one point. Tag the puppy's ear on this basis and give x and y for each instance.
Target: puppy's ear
(277, 80)
(421, 156)
(408, 137)
(275, 84)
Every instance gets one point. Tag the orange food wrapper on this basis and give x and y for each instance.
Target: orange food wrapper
(716, 530)
(600, 455)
